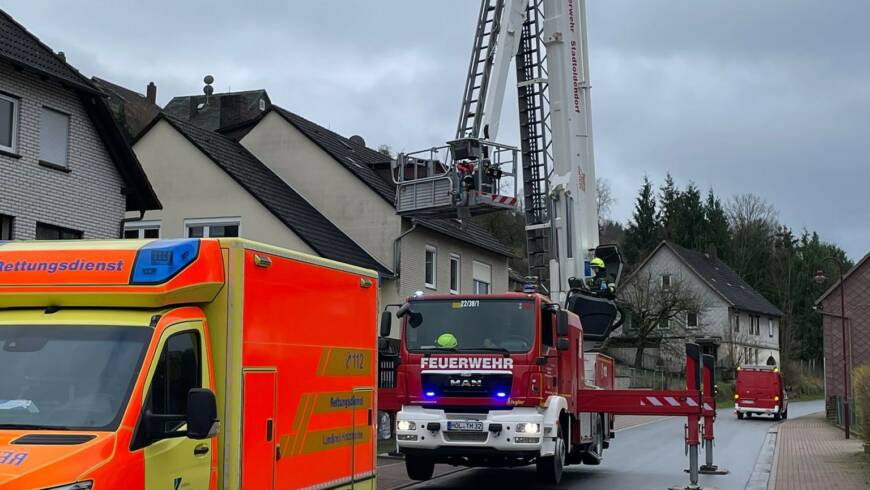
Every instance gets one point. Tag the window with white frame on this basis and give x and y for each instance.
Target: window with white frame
(8, 122)
(736, 322)
(54, 137)
(430, 271)
(212, 227)
(142, 229)
(770, 327)
(482, 274)
(691, 319)
(666, 281)
(455, 262)
(6, 227)
(755, 325)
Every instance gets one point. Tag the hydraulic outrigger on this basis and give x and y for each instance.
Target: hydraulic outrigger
(697, 401)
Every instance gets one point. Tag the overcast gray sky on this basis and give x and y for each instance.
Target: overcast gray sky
(764, 96)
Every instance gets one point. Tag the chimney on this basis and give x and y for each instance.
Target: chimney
(151, 93)
(62, 56)
(230, 110)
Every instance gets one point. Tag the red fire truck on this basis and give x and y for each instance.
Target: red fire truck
(760, 391)
(500, 380)
(503, 380)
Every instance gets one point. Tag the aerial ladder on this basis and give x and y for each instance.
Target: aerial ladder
(473, 175)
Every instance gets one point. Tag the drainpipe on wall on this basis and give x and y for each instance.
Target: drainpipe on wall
(397, 253)
(124, 221)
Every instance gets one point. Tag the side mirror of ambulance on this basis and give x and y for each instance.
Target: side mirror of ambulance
(386, 323)
(202, 421)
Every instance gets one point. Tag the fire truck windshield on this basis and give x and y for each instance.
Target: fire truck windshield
(68, 377)
(473, 325)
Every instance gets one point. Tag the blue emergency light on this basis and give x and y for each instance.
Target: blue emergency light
(160, 260)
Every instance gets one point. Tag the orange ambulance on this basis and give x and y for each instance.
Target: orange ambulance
(184, 364)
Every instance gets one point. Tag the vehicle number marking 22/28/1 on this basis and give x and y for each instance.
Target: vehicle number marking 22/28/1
(466, 303)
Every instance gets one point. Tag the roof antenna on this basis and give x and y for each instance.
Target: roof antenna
(207, 90)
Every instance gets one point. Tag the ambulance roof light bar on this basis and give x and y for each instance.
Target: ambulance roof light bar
(161, 260)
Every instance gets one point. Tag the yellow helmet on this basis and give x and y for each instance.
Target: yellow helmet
(596, 262)
(446, 340)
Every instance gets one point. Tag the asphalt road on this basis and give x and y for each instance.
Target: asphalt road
(646, 456)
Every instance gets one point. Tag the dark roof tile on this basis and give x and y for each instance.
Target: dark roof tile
(18, 46)
(725, 281)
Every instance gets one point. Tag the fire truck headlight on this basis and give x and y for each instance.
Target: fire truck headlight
(406, 425)
(776, 398)
(528, 428)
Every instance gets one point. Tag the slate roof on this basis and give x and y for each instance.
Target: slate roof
(278, 197)
(358, 159)
(23, 49)
(131, 109)
(719, 276)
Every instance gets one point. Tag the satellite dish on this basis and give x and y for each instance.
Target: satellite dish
(208, 79)
(358, 140)
(208, 90)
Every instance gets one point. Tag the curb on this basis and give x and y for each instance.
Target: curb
(760, 477)
(771, 482)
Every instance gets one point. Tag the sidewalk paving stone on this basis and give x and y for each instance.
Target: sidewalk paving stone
(812, 454)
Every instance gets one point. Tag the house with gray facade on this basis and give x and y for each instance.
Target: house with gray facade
(66, 171)
(234, 164)
(729, 319)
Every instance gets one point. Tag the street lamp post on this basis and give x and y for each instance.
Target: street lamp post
(820, 279)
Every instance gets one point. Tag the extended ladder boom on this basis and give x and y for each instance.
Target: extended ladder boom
(572, 183)
(547, 38)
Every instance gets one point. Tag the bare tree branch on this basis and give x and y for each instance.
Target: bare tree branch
(658, 311)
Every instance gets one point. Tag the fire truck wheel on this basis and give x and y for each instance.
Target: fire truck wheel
(777, 416)
(550, 467)
(740, 415)
(785, 415)
(419, 467)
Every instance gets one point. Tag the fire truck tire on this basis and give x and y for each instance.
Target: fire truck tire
(419, 467)
(785, 415)
(550, 467)
(740, 415)
(777, 416)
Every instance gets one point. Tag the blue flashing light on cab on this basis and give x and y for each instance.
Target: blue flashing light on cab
(161, 260)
